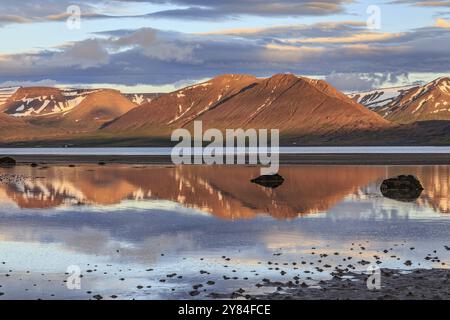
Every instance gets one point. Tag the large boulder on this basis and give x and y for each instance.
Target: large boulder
(269, 181)
(7, 162)
(402, 188)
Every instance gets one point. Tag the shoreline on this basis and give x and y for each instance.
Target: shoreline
(424, 284)
(285, 159)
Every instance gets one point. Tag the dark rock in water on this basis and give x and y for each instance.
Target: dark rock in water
(101, 163)
(269, 181)
(7, 162)
(34, 165)
(402, 188)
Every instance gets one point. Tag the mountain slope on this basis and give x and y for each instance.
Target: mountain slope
(141, 98)
(179, 108)
(5, 94)
(100, 107)
(295, 105)
(13, 129)
(41, 101)
(91, 113)
(416, 103)
(429, 102)
(376, 99)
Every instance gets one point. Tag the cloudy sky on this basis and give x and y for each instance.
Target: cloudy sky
(159, 45)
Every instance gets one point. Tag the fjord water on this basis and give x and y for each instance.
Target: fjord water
(152, 232)
(161, 151)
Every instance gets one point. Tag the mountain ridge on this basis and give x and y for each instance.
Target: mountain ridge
(306, 111)
(235, 101)
(427, 102)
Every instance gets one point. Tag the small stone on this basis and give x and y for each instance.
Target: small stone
(194, 293)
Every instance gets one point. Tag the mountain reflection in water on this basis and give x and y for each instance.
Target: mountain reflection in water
(223, 191)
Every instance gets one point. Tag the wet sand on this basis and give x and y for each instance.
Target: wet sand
(419, 284)
(319, 159)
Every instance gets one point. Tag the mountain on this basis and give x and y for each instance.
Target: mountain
(8, 123)
(141, 98)
(377, 99)
(97, 109)
(306, 111)
(295, 105)
(41, 101)
(5, 94)
(16, 129)
(65, 110)
(418, 103)
(182, 106)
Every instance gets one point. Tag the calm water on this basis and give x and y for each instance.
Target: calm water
(151, 232)
(167, 151)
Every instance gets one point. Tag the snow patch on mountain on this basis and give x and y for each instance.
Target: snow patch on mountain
(46, 104)
(379, 98)
(6, 93)
(141, 98)
(410, 103)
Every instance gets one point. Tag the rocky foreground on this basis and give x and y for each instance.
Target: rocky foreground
(420, 284)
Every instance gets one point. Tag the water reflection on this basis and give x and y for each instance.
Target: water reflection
(226, 191)
(163, 219)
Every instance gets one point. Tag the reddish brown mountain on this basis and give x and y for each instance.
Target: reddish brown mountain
(93, 111)
(40, 101)
(8, 123)
(98, 108)
(183, 106)
(13, 129)
(295, 105)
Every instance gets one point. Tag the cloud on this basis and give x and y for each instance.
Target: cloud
(424, 3)
(355, 38)
(442, 23)
(358, 82)
(155, 57)
(87, 53)
(214, 8)
(40, 83)
(153, 46)
(7, 19)
(320, 29)
(56, 10)
(32, 11)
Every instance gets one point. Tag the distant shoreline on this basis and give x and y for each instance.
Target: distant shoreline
(285, 159)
